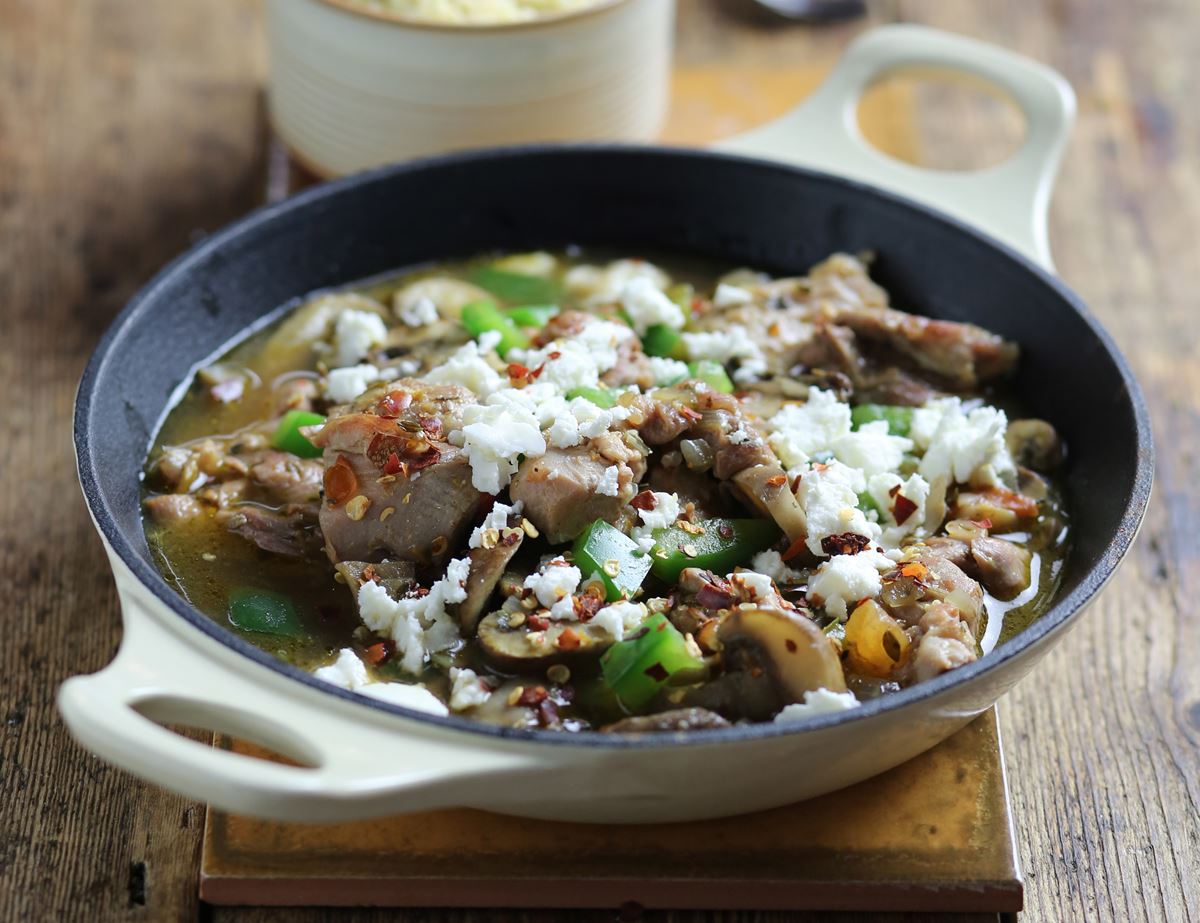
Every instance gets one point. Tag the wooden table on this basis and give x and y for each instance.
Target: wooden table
(129, 129)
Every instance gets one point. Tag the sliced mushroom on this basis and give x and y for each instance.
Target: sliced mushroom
(487, 567)
(1035, 444)
(497, 710)
(520, 649)
(768, 489)
(449, 295)
(395, 576)
(678, 719)
(771, 659)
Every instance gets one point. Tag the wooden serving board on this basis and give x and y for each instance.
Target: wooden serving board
(932, 835)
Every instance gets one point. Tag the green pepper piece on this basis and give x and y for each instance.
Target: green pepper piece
(532, 315)
(866, 503)
(288, 437)
(637, 668)
(517, 287)
(265, 612)
(712, 374)
(601, 397)
(480, 317)
(666, 342)
(724, 544)
(606, 550)
(898, 419)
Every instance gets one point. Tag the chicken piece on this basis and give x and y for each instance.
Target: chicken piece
(393, 488)
(962, 354)
(284, 478)
(559, 489)
(946, 642)
(1001, 566)
(421, 516)
(289, 531)
(170, 509)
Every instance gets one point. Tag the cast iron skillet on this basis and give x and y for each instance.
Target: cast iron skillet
(732, 210)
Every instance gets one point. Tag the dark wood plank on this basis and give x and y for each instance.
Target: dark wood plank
(125, 130)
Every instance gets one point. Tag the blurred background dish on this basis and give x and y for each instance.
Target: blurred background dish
(354, 84)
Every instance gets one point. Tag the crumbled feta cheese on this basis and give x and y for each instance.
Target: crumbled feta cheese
(963, 442)
(799, 431)
(829, 496)
(553, 583)
(884, 489)
(601, 285)
(406, 695)
(666, 511)
(667, 371)
(417, 624)
(422, 311)
(609, 485)
(468, 367)
(871, 449)
(730, 296)
(467, 690)
(347, 672)
(817, 702)
(355, 334)
(771, 563)
(741, 434)
(345, 384)
(620, 618)
(725, 345)
(577, 361)
(647, 305)
(847, 578)
(496, 519)
(759, 586)
(494, 439)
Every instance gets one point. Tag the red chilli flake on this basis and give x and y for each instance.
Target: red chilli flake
(587, 605)
(644, 501)
(392, 404)
(902, 508)
(393, 465)
(777, 481)
(532, 695)
(379, 653)
(795, 548)
(538, 622)
(341, 483)
(984, 523)
(568, 640)
(554, 355)
(412, 454)
(846, 543)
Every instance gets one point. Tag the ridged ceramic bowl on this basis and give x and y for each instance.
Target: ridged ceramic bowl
(349, 88)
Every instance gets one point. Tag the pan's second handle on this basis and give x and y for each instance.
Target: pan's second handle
(1009, 200)
(355, 762)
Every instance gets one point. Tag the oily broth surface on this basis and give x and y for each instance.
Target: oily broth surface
(203, 561)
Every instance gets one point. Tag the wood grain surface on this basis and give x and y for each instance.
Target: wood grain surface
(127, 130)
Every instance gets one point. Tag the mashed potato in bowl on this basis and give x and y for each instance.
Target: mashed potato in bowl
(475, 12)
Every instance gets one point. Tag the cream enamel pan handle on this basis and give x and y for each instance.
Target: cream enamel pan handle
(1008, 201)
(360, 764)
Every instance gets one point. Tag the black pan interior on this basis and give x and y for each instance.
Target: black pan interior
(734, 210)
